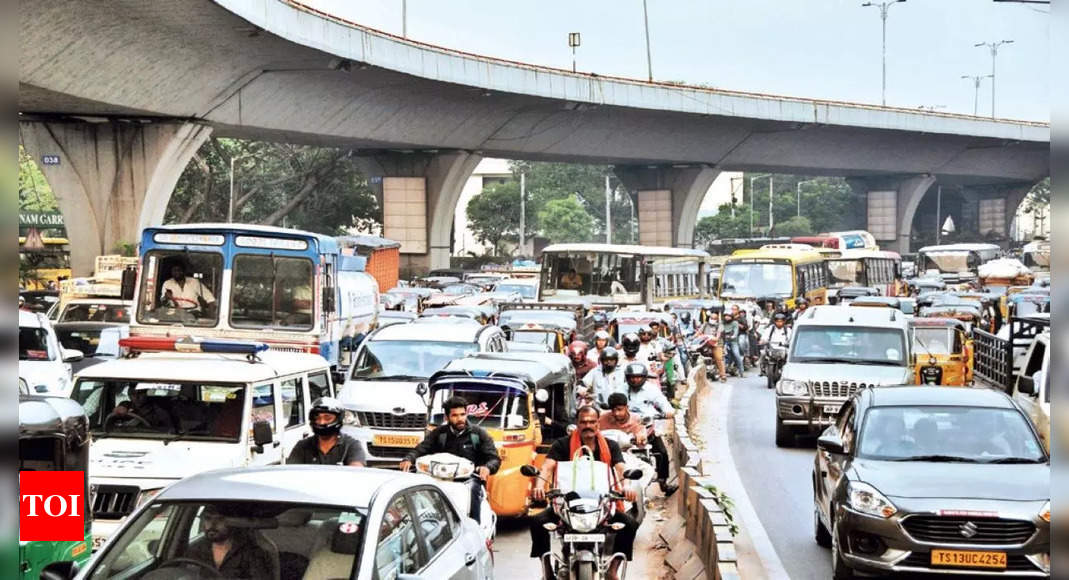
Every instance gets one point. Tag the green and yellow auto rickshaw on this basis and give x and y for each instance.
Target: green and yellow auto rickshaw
(54, 436)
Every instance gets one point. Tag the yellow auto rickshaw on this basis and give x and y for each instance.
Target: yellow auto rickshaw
(524, 400)
(942, 352)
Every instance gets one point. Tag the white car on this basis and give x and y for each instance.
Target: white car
(389, 415)
(184, 413)
(44, 364)
(352, 523)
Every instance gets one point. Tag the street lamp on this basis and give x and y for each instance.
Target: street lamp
(883, 6)
(573, 41)
(230, 205)
(646, 22)
(994, 53)
(976, 80)
(798, 194)
(752, 178)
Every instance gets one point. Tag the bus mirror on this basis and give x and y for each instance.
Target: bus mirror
(328, 299)
(129, 281)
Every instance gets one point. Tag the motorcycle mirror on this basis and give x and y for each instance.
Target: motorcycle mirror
(633, 474)
(529, 470)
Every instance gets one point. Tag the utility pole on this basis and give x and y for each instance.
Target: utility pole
(755, 177)
(994, 53)
(230, 205)
(649, 60)
(523, 211)
(938, 213)
(573, 41)
(883, 6)
(976, 80)
(608, 212)
(770, 180)
(404, 18)
(733, 190)
(798, 195)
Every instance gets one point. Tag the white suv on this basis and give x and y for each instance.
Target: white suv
(389, 415)
(836, 350)
(44, 364)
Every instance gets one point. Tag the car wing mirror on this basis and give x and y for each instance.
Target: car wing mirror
(72, 355)
(1027, 385)
(261, 435)
(830, 442)
(60, 570)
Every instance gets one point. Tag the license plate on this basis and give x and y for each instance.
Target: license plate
(396, 440)
(832, 409)
(584, 537)
(968, 559)
(98, 542)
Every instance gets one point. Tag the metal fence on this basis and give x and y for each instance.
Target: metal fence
(993, 358)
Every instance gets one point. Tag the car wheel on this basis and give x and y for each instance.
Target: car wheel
(820, 531)
(840, 570)
(784, 435)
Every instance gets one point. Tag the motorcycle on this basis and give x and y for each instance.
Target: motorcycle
(584, 531)
(453, 474)
(775, 358)
(702, 346)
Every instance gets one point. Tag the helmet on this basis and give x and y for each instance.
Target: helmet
(326, 405)
(802, 302)
(667, 347)
(600, 319)
(684, 317)
(609, 354)
(577, 352)
(601, 335)
(779, 316)
(630, 343)
(635, 374)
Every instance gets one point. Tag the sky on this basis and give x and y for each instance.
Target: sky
(825, 49)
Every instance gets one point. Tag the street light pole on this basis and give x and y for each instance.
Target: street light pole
(523, 211)
(994, 53)
(404, 18)
(608, 212)
(573, 41)
(976, 80)
(883, 6)
(230, 204)
(649, 61)
(752, 178)
(798, 194)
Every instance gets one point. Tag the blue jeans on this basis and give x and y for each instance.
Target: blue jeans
(732, 351)
(744, 344)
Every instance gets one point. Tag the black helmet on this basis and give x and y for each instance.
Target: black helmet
(630, 343)
(609, 353)
(779, 316)
(635, 370)
(600, 319)
(326, 405)
(684, 316)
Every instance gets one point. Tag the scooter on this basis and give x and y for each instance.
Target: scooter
(454, 474)
(775, 358)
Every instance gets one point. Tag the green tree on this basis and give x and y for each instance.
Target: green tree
(723, 225)
(1038, 197)
(794, 226)
(566, 220)
(494, 214)
(828, 202)
(34, 192)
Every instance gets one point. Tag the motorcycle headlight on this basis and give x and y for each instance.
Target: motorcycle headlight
(792, 387)
(583, 522)
(1044, 512)
(868, 500)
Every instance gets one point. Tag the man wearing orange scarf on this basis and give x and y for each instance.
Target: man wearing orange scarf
(563, 449)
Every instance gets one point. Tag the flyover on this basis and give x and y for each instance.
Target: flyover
(125, 91)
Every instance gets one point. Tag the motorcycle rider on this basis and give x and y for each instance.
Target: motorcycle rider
(712, 328)
(729, 337)
(800, 307)
(619, 416)
(577, 351)
(631, 344)
(647, 400)
(602, 340)
(463, 439)
(777, 335)
(563, 449)
(600, 383)
(686, 324)
(328, 445)
(601, 324)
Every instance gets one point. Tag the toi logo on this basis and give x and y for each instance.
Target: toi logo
(51, 506)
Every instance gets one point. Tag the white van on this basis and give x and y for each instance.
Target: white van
(161, 416)
(390, 416)
(44, 364)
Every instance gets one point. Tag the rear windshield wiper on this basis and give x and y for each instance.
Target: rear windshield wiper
(937, 458)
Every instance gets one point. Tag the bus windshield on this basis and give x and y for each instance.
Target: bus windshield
(272, 292)
(950, 261)
(756, 280)
(180, 287)
(591, 273)
(845, 272)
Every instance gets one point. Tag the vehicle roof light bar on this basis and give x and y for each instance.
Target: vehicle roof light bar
(187, 344)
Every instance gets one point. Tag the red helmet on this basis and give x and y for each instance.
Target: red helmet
(577, 352)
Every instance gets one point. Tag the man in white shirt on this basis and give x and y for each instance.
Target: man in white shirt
(185, 293)
(605, 380)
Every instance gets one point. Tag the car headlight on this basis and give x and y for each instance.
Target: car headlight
(351, 419)
(1044, 512)
(792, 387)
(868, 500)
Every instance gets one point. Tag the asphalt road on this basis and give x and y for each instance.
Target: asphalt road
(776, 480)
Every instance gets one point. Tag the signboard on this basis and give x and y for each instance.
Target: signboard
(48, 219)
(50, 160)
(853, 241)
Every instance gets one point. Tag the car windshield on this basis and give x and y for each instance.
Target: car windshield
(86, 340)
(150, 409)
(459, 289)
(494, 409)
(381, 360)
(849, 345)
(756, 280)
(525, 290)
(302, 540)
(33, 344)
(95, 313)
(963, 434)
(934, 341)
(533, 337)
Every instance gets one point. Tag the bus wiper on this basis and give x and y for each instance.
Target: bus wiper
(177, 437)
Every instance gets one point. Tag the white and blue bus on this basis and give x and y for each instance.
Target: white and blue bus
(293, 290)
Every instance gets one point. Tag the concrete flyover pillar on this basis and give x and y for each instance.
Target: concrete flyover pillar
(113, 178)
(419, 194)
(668, 200)
(892, 203)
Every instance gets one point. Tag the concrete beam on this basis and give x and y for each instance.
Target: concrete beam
(910, 193)
(688, 185)
(113, 179)
(444, 175)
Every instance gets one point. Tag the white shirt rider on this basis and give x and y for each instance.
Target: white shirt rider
(183, 291)
(777, 336)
